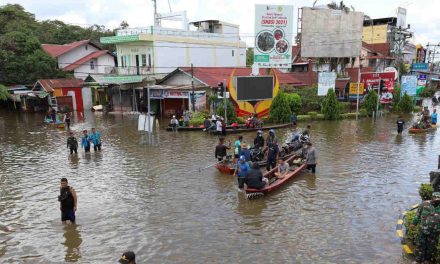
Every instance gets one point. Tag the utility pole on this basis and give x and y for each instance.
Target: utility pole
(224, 101)
(358, 88)
(193, 99)
(156, 17)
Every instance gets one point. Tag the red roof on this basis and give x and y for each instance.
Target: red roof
(50, 84)
(211, 76)
(93, 55)
(57, 50)
(382, 48)
(353, 72)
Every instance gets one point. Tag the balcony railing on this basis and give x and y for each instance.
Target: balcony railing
(129, 70)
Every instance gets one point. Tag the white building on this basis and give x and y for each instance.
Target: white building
(157, 51)
(82, 57)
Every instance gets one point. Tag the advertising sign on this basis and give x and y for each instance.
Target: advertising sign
(409, 84)
(419, 66)
(401, 17)
(326, 80)
(200, 101)
(421, 80)
(372, 81)
(353, 91)
(273, 30)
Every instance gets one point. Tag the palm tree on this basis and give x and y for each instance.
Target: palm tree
(341, 6)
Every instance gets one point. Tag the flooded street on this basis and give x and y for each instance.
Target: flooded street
(155, 201)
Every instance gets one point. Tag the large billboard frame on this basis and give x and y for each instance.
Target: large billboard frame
(249, 99)
(330, 33)
(273, 36)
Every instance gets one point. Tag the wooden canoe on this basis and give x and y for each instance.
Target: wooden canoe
(419, 130)
(278, 182)
(230, 130)
(228, 167)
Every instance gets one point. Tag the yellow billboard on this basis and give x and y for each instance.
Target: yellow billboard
(375, 34)
(354, 88)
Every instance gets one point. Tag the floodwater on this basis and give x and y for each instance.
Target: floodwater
(153, 199)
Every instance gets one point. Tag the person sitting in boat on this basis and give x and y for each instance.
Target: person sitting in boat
(221, 149)
(306, 132)
(241, 171)
(282, 169)
(246, 152)
(259, 140)
(434, 117)
(254, 179)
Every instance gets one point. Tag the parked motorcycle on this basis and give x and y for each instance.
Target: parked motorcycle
(257, 154)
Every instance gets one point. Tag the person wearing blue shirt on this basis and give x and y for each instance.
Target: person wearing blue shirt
(95, 137)
(85, 141)
(245, 152)
(434, 117)
(241, 171)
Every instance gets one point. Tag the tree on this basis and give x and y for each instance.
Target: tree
(124, 24)
(406, 104)
(294, 102)
(330, 106)
(341, 6)
(249, 56)
(22, 59)
(279, 110)
(4, 94)
(230, 110)
(370, 102)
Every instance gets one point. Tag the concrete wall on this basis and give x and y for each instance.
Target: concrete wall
(375, 34)
(75, 54)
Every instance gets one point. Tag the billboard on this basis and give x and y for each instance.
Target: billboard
(326, 81)
(254, 88)
(409, 84)
(372, 80)
(331, 33)
(401, 17)
(353, 91)
(273, 36)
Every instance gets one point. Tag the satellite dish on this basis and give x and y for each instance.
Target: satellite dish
(392, 69)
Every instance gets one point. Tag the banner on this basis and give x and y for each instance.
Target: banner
(353, 91)
(200, 101)
(273, 31)
(326, 80)
(408, 85)
(372, 81)
(143, 123)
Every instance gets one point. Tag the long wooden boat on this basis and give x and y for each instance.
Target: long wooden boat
(230, 129)
(228, 167)
(420, 130)
(252, 193)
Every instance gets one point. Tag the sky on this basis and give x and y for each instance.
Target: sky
(421, 14)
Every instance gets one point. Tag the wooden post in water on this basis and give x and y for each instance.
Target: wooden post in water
(438, 166)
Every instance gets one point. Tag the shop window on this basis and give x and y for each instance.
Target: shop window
(92, 65)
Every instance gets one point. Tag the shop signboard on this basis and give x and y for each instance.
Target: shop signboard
(409, 85)
(326, 81)
(372, 80)
(273, 31)
(419, 67)
(353, 91)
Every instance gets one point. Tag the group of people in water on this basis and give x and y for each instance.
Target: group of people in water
(86, 141)
(247, 167)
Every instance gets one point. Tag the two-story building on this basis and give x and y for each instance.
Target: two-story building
(83, 58)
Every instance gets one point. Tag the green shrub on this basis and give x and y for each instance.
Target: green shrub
(197, 118)
(363, 112)
(4, 94)
(303, 117)
(348, 115)
(310, 101)
(279, 110)
(411, 231)
(426, 191)
(230, 110)
(370, 102)
(330, 106)
(294, 102)
(319, 117)
(396, 99)
(417, 109)
(312, 114)
(344, 107)
(428, 92)
(406, 104)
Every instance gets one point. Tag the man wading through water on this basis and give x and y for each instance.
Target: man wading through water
(68, 201)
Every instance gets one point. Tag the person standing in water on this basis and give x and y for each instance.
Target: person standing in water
(68, 202)
(67, 120)
(400, 124)
(434, 117)
(95, 137)
(85, 141)
(72, 144)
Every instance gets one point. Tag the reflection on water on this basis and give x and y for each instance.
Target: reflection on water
(163, 203)
(72, 243)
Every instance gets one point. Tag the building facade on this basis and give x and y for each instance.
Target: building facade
(156, 51)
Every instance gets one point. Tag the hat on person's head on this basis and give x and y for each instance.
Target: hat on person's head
(127, 257)
(242, 157)
(272, 130)
(84, 130)
(174, 116)
(436, 195)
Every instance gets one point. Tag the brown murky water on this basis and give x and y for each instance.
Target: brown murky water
(154, 201)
